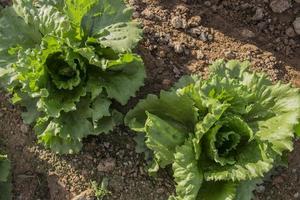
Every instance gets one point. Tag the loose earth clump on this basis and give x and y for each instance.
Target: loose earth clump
(180, 37)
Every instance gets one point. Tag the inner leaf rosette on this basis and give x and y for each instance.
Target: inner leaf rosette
(225, 137)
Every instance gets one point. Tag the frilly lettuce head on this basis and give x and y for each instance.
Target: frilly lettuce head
(66, 62)
(221, 135)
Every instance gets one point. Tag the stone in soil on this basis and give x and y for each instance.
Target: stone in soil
(24, 128)
(290, 32)
(296, 25)
(207, 3)
(247, 33)
(259, 14)
(279, 6)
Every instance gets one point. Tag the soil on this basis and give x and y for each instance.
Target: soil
(180, 37)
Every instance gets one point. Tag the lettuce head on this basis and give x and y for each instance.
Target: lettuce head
(220, 135)
(66, 62)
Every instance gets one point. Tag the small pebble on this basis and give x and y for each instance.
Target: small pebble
(160, 191)
(296, 195)
(203, 37)
(24, 128)
(259, 14)
(290, 32)
(210, 37)
(207, 3)
(166, 82)
(296, 25)
(279, 6)
(247, 33)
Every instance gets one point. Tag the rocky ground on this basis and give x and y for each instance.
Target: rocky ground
(180, 37)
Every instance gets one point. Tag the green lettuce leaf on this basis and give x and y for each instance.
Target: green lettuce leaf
(161, 141)
(120, 37)
(187, 175)
(104, 14)
(110, 22)
(43, 17)
(121, 84)
(14, 33)
(165, 106)
(77, 9)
